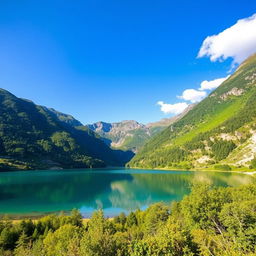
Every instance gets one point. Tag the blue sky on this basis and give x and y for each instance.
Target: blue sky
(112, 60)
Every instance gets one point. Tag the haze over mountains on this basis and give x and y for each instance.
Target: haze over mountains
(219, 132)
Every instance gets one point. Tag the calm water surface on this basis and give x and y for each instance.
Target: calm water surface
(32, 193)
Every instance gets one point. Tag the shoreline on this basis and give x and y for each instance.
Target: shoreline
(195, 170)
(17, 221)
(136, 168)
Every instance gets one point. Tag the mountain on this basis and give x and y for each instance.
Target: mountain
(219, 132)
(65, 118)
(129, 134)
(33, 136)
(165, 122)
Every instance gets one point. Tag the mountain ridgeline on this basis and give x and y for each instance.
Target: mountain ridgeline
(126, 135)
(131, 135)
(219, 132)
(36, 137)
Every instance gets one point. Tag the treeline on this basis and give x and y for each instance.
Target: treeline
(209, 221)
(199, 132)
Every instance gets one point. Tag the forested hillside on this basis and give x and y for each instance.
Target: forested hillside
(33, 136)
(219, 222)
(219, 132)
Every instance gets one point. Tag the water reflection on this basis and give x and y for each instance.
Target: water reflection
(113, 190)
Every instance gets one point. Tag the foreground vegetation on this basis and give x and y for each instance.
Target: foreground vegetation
(209, 221)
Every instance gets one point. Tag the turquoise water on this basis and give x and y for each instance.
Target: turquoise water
(29, 193)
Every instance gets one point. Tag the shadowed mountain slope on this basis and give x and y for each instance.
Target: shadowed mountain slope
(33, 136)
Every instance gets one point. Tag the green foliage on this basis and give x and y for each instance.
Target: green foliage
(239, 218)
(99, 239)
(209, 221)
(253, 164)
(222, 148)
(137, 140)
(222, 112)
(64, 140)
(155, 217)
(131, 220)
(64, 241)
(39, 138)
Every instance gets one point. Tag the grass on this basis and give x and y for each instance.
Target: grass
(218, 118)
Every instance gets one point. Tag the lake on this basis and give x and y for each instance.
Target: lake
(33, 193)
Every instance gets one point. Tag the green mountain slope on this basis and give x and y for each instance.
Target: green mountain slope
(33, 136)
(219, 131)
(131, 135)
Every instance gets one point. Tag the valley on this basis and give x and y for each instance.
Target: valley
(128, 128)
(216, 134)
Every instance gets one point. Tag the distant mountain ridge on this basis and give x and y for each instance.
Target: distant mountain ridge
(130, 134)
(33, 136)
(168, 121)
(127, 135)
(219, 132)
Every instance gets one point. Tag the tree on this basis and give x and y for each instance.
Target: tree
(155, 217)
(23, 245)
(131, 220)
(99, 239)
(61, 242)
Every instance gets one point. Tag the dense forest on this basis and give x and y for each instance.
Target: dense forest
(218, 130)
(209, 221)
(36, 137)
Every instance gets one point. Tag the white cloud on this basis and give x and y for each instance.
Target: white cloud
(193, 95)
(172, 108)
(213, 84)
(237, 42)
